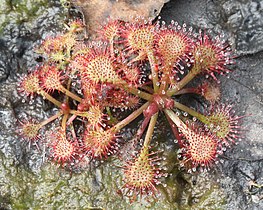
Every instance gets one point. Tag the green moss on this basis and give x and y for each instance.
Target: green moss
(55, 188)
(20, 11)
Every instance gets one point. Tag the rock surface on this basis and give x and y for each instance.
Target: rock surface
(97, 11)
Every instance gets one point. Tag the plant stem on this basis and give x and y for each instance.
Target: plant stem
(65, 116)
(70, 94)
(165, 78)
(142, 128)
(70, 120)
(139, 93)
(64, 121)
(177, 87)
(187, 90)
(147, 88)
(174, 129)
(149, 133)
(50, 98)
(79, 113)
(154, 70)
(176, 120)
(51, 119)
(188, 110)
(130, 118)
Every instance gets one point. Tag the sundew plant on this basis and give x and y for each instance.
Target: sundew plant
(132, 70)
